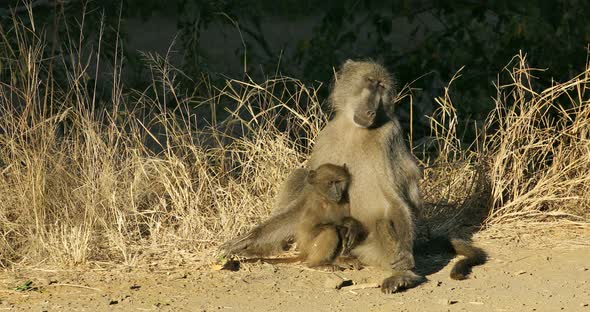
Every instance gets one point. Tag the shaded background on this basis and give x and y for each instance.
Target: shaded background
(210, 41)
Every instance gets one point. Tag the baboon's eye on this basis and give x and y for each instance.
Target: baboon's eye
(370, 79)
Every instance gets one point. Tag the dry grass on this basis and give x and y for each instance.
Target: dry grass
(137, 177)
(527, 169)
(538, 145)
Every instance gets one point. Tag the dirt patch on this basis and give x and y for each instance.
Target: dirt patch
(515, 278)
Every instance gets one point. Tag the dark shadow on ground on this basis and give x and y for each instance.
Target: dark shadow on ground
(451, 216)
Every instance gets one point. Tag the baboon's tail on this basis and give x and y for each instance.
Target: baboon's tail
(472, 256)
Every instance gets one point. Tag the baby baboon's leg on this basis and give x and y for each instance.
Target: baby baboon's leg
(268, 238)
(324, 248)
(272, 236)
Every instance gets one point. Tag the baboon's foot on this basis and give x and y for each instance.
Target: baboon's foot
(250, 247)
(401, 281)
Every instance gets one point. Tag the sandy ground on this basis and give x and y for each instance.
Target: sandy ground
(516, 278)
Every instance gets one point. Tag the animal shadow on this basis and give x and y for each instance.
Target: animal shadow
(443, 217)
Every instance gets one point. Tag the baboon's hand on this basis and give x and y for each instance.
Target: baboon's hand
(351, 233)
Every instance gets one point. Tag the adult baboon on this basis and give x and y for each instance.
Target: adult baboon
(383, 193)
(323, 231)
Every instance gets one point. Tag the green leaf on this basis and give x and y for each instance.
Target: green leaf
(25, 286)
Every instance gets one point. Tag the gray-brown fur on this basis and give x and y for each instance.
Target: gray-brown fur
(384, 190)
(383, 194)
(471, 256)
(290, 189)
(324, 211)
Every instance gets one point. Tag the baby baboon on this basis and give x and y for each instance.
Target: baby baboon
(319, 219)
(383, 193)
(324, 228)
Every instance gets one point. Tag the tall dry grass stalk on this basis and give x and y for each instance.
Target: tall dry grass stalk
(137, 176)
(82, 179)
(538, 146)
(529, 163)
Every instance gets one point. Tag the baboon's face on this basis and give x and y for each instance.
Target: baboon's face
(372, 96)
(330, 181)
(363, 90)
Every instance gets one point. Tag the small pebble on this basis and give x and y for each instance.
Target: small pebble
(336, 282)
(177, 275)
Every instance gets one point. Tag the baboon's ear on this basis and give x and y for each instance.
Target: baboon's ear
(311, 176)
(348, 62)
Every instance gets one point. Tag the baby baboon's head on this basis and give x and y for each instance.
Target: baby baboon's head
(362, 90)
(330, 181)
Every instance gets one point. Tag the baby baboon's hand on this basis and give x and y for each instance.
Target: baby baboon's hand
(351, 234)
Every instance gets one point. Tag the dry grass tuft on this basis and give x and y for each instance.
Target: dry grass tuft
(138, 177)
(538, 144)
(122, 180)
(528, 166)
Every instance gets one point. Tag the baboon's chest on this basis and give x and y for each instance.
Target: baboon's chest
(371, 190)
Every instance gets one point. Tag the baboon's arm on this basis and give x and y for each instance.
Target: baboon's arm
(290, 190)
